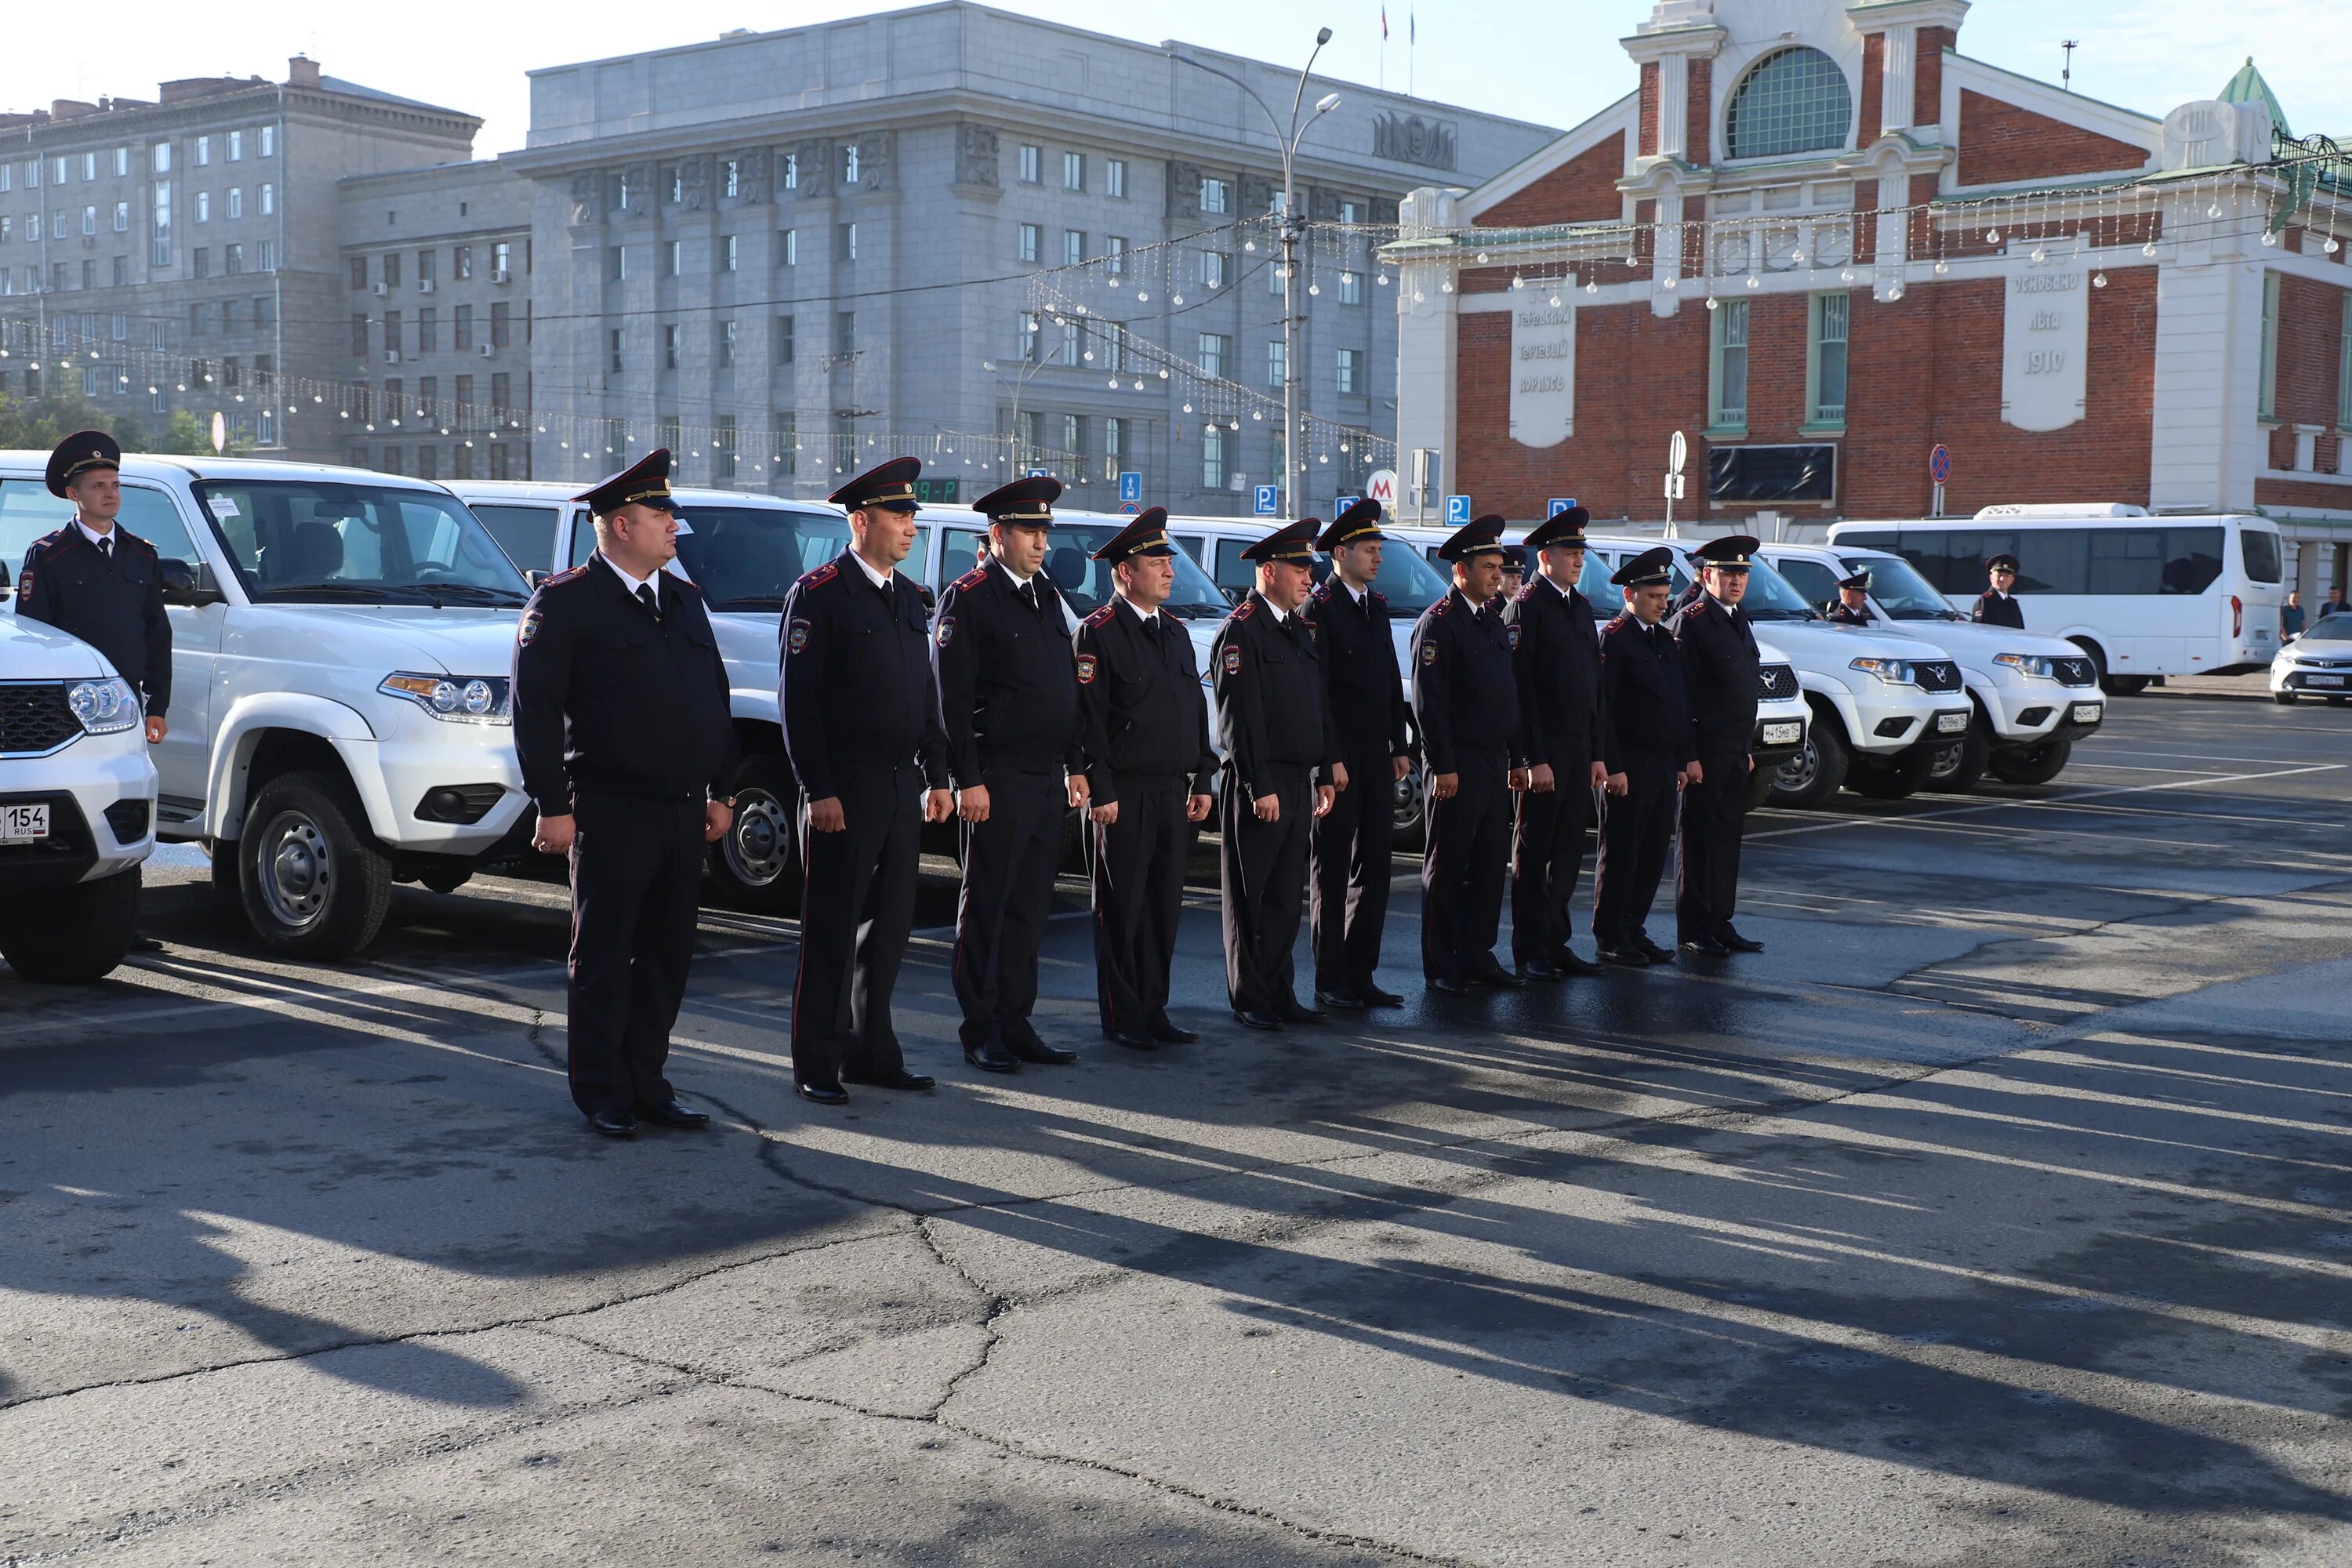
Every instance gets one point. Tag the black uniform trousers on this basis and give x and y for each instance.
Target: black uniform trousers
(1009, 862)
(1138, 875)
(637, 882)
(1636, 831)
(1555, 830)
(1714, 814)
(1462, 871)
(857, 908)
(1261, 871)
(1350, 850)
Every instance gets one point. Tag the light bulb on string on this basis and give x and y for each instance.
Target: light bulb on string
(1176, 298)
(1518, 281)
(1992, 237)
(2098, 280)
(1712, 303)
(1592, 286)
(1446, 286)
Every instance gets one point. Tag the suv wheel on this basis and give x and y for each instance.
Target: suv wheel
(1407, 810)
(74, 935)
(1958, 766)
(1896, 777)
(758, 858)
(313, 885)
(2033, 764)
(1816, 772)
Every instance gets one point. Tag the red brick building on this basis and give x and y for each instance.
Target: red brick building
(1822, 240)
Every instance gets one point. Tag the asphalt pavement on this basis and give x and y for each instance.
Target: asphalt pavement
(1999, 1213)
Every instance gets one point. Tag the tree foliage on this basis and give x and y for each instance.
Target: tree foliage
(42, 421)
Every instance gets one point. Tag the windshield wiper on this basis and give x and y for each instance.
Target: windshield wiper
(1782, 614)
(754, 602)
(477, 592)
(370, 593)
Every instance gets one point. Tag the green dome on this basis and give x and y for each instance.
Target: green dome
(2247, 86)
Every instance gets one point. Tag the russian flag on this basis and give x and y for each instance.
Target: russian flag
(1384, 24)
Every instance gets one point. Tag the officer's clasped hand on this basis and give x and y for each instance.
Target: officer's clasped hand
(553, 835)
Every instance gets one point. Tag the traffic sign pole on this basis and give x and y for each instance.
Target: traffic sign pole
(1677, 454)
(1940, 469)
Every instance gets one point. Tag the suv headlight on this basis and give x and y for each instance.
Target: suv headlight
(2039, 666)
(1894, 671)
(103, 706)
(459, 698)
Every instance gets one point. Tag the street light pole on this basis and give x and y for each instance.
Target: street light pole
(1019, 385)
(1293, 227)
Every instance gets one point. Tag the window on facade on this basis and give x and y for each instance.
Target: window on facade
(1351, 370)
(203, 206)
(197, 319)
(1213, 268)
(673, 183)
(200, 262)
(612, 348)
(791, 163)
(1073, 433)
(501, 392)
(231, 314)
(844, 331)
(501, 255)
(89, 166)
(121, 271)
(1032, 163)
(359, 335)
(461, 328)
(499, 329)
(269, 201)
(669, 346)
(392, 332)
(1212, 458)
(1025, 339)
(428, 396)
(1274, 361)
(428, 465)
(1115, 178)
(1215, 348)
(265, 311)
(161, 157)
(673, 255)
(1216, 195)
(57, 171)
(722, 442)
(122, 162)
(122, 218)
(1074, 170)
(727, 253)
(359, 271)
(428, 330)
(1825, 372)
(424, 266)
(1030, 236)
(90, 220)
(846, 242)
(788, 248)
(1352, 287)
(204, 150)
(235, 146)
(1114, 448)
(2266, 405)
(237, 201)
(783, 340)
(391, 269)
(1727, 367)
(269, 141)
(731, 177)
(1115, 253)
(1795, 100)
(726, 344)
(1073, 246)
(461, 261)
(849, 164)
(160, 241)
(1071, 348)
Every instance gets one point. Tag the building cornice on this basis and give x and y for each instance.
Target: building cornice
(1877, 16)
(114, 126)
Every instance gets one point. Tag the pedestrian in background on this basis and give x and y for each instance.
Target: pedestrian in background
(1998, 606)
(2291, 618)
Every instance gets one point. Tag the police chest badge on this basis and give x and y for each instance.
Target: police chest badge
(528, 629)
(1086, 669)
(1511, 636)
(797, 637)
(947, 630)
(1233, 658)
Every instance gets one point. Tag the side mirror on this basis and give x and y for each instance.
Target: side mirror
(537, 579)
(190, 586)
(1232, 595)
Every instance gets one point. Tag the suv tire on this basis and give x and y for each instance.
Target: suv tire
(1897, 777)
(1816, 772)
(1759, 785)
(758, 860)
(1962, 774)
(313, 884)
(1405, 811)
(2033, 764)
(75, 935)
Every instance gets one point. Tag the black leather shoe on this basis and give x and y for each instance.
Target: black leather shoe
(1625, 957)
(1654, 952)
(1380, 998)
(145, 944)
(613, 1123)
(1030, 1048)
(990, 1055)
(1704, 947)
(822, 1093)
(1340, 1001)
(897, 1078)
(1537, 969)
(1130, 1039)
(673, 1114)
(1736, 943)
(1168, 1034)
(1446, 986)
(1295, 1014)
(1566, 962)
(1493, 973)
(1253, 1019)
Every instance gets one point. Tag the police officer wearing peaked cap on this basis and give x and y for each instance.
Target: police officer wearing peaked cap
(1349, 846)
(1556, 653)
(1646, 743)
(1010, 697)
(1998, 605)
(1722, 679)
(1281, 771)
(1148, 764)
(96, 580)
(621, 725)
(1852, 607)
(860, 704)
(1467, 701)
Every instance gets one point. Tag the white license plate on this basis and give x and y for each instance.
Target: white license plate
(1950, 724)
(2322, 681)
(1784, 735)
(2086, 714)
(24, 822)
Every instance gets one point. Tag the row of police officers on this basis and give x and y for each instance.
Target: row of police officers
(1006, 712)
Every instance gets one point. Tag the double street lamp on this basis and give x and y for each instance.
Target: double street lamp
(1294, 227)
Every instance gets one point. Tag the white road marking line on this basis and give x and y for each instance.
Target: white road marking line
(2055, 803)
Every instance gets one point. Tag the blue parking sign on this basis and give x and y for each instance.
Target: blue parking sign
(1457, 510)
(1557, 505)
(1130, 484)
(1342, 503)
(1266, 494)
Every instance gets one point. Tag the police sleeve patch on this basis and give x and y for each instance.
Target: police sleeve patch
(947, 630)
(1511, 636)
(1233, 658)
(797, 637)
(24, 584)
(1086, 669)
(1429, 653)
(530, 629)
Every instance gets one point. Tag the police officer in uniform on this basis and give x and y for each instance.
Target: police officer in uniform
(1722, 679)
(1349, 845)
(1001, 647)
(96, 580)
(1998, 606)
(1646, 743)
(1282, 769)
(1852, 607)
(1515, 576)
(862, 724)
(1145, 732)
(1556, 656)
(1466, 702)
(621, 725)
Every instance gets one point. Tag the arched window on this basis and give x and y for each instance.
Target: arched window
(1795, 100)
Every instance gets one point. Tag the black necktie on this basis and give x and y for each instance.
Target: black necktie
(1029, 595)
(106, 546)
(645, 597)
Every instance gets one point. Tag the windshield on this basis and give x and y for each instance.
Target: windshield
(749, 557)
(1409, 583)
(1899, 589)
(1087, 583)
(329, 540)
(2330, 629)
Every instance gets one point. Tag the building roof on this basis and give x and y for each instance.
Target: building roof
(2247, 86)
(355, 89)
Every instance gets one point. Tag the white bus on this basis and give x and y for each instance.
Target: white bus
(2145, 595)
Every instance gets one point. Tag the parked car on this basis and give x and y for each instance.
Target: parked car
(2316, 663)
(76, 805)
(342, 641)
(2032, 694)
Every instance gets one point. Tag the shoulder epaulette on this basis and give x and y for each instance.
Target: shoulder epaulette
(53, 539)
(970, 580)
(1101, 617)
(822, 576)
(1443, 606)
(1377, 598)
(1244, 610)
(128, 537)
(1526, 592)
(1322, 594)
(563, 577)
(1614, 622)
(680, 580)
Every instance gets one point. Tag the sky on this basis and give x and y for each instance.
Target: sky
(1553, 64)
